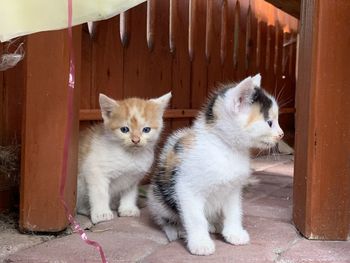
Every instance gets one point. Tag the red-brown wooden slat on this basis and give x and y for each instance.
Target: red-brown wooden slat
(124, 27)
(43, 131)
(236, 35)
(213, 36)
(173, 114)
(151, 18)
(2, 105)
(228, 71)
(223, 31)
(252, 41)
(148, 73)
(107, 61)
(269, 62)
(181, 64)
(86, 67)
(322, 173)
(242, 70)
(199, 63)
(262, 52)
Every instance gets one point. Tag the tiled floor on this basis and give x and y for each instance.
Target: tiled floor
(267, 217)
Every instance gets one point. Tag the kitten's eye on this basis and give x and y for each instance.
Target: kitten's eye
(124, 129)
(146, 129)
(269, 123)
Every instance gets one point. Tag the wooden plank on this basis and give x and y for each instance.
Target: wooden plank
(251, 41)
(197, 31)
(181, 64)
(240, 40)
(269, 82)
(92, 115)
(228, 10)
(213, 44)
(261, 51)
(107, 61)
(45, 117)
(322, 172)
(291, 7)
(147, 72)
(95, 115)
(2, 105)
(86, 67)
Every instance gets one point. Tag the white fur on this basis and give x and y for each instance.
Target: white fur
(113, 167)
(212, 172)
(110, 170)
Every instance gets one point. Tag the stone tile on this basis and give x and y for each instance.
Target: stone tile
(269, 207)
(273, 179)
(317, 251)
(123, 239)
(264, 162)
(286, 169)
(285, 193)
(268, 238)
(118, 247)
(142, 226)
(12, 241)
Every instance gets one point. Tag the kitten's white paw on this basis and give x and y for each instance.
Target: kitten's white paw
(240, 237)
(212, 229)
(100, 216)
(129, 211)
(201, 247)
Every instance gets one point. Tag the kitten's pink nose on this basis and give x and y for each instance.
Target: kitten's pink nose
(280, 135)
(135, 140)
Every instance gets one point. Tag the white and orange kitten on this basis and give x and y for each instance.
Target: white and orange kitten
(116, 154)
(197, 186)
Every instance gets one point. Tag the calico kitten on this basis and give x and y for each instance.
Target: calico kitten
(198, 182)
(115, 155)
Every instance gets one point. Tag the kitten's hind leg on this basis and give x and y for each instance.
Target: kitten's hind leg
(127, 206)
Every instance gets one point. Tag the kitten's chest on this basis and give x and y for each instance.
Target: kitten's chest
(116, 163)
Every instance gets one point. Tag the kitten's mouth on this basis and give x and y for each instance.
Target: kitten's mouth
(267, 145)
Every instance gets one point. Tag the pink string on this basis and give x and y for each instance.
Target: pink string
(67, 139)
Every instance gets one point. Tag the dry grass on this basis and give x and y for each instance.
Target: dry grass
(9, 160)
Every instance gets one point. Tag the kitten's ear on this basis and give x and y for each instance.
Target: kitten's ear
(257, 80)
(107, 105)
(163, 101)
(240, 95)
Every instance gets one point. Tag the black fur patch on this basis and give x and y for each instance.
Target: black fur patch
(265, 102)
(209, 112)
(165, 189)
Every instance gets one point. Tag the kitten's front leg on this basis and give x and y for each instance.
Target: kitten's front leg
(98, 188)
(195, 224)
(233, 231)
(128, 199)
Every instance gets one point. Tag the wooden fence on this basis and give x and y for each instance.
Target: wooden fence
(187, 47)
(183, 46)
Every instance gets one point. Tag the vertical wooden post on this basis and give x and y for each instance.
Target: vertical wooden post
(322, 159)
(44, 124)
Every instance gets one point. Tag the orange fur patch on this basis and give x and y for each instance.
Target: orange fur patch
(187, 140)
(255, 115)
(135, 111)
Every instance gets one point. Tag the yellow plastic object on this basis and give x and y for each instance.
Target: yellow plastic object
(22, 17)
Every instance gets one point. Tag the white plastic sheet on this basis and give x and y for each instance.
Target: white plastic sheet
(22, 17)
